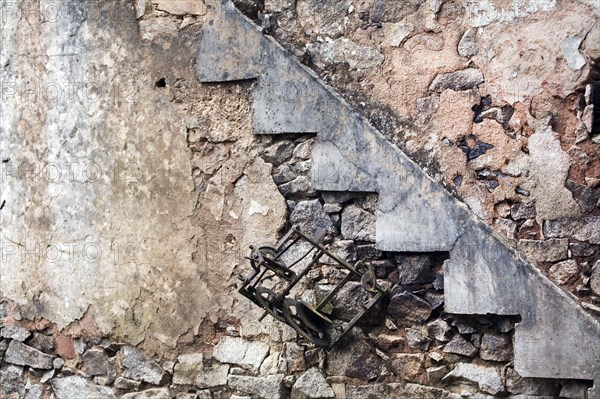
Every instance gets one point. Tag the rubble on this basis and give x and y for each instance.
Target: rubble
(488, 378)
(312, 384)
(23, 355)
(241, 352)
(14, 332)
(585, 229)
(354, 358)
(496, 347)
(468, 47)
(76, 387)
(358, 224)
(407, 308)
(140, 367)
(460, 346)
(595, 278)
(409, 367)
(153, 393)
(551, 250)
(565, 271)
(268, 387)
(95, 362)
(458, 81)
(310, 217)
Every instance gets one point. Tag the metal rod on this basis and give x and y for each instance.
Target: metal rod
(283, 240)
(301, 258)
(356, 318)
(263, 316)
(259, 277)
(334, 291)
(303, 273)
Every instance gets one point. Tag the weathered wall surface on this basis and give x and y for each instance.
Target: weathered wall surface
(491, 97)
(129, 201)
(100, 212)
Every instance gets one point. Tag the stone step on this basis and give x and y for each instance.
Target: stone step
(349, 155)
(556, 338)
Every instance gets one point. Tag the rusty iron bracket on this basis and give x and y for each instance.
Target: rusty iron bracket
(272, 280)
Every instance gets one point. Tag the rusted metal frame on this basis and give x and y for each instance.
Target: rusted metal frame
(291, 244)
(334, 292)
(303, 273)
(284, 239)
(356, 318)
(296, 280)
(259, 279)
(302, 257)
(280, 249)
(337, 259)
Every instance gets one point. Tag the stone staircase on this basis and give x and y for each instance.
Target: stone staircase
(556, 337)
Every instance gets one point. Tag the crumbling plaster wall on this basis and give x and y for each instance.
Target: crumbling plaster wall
(100, 211)
(491, 97)
(183, 179)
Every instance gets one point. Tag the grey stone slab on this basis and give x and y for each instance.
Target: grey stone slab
(556, 338)
(407, 196)
(288, 100)
(285, 99)
(23, 355)
(358, 158)
(483, 276)
(76, 387)
(220, 50)
(332, 171)
(582, 229)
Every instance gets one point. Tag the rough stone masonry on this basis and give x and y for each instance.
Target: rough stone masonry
(130, 192)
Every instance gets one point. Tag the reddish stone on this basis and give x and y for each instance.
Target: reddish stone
(65, 347)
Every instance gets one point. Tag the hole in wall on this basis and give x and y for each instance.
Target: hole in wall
(251, 8)
(160, 83)
(457, 181)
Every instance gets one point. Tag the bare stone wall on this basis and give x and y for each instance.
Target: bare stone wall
(185, 186)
